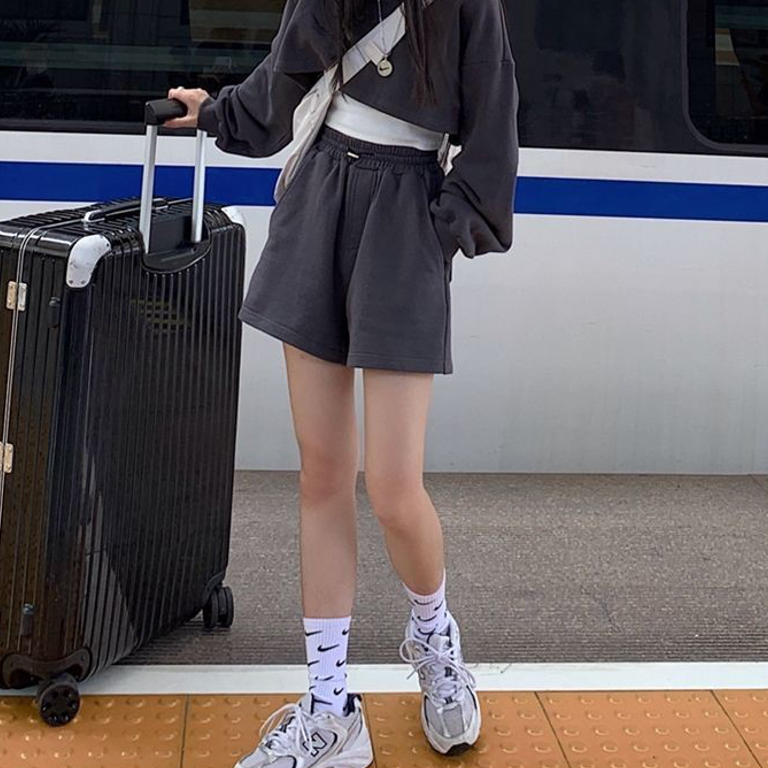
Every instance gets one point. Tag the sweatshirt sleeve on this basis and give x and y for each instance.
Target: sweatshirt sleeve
(255, 117)
(473, 211)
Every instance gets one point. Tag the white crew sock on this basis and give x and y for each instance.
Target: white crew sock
(326, 643)
(429, 612)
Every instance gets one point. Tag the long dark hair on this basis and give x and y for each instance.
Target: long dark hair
(347, 14)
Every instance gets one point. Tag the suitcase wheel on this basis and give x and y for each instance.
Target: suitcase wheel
(227, 610)
(58, 700)
(211, 610)
(219, 610)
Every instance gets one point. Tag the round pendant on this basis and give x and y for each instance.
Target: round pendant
(385, 67)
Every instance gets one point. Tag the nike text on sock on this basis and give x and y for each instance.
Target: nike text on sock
(326, 642)
(429, 612)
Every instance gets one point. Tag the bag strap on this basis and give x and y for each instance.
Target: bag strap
(368, 48)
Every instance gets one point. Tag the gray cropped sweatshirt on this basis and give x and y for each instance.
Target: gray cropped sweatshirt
(476, 103)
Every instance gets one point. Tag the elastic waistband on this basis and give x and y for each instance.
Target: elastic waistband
(330, 138)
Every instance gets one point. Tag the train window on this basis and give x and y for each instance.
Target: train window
(728, 70)
(91, 64)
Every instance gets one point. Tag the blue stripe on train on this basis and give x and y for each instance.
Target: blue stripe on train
(83, 182)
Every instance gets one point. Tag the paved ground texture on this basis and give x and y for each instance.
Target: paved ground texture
(690, 729)
(541, 568)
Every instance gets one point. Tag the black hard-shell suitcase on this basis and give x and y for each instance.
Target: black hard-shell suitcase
(119, 366)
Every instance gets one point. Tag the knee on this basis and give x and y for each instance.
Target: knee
(325, 476)
(394, 500)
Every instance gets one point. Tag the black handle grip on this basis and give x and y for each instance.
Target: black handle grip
(158, 111)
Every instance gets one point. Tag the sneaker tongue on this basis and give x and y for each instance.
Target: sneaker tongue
(439, 642)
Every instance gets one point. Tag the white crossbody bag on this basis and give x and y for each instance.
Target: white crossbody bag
(309, 115)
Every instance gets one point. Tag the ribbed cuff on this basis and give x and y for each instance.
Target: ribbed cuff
(326, 642)
(206, 118)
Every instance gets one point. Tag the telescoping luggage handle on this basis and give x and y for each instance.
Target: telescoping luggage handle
(156, 113)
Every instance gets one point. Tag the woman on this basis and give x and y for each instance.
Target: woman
(356, 273)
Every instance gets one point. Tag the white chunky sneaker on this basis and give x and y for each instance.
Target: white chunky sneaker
(450, 709)
(294, 737)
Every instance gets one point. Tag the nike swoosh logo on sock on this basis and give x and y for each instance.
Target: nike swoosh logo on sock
(317, 661)
(344, 631)
(341, 662)
(318, 632)
(337, 691)
(329, 648)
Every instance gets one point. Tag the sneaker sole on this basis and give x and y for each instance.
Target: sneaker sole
(359, 754)
(357, 759)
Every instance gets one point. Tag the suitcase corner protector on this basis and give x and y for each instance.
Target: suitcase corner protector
(83, 258)
(234, 214)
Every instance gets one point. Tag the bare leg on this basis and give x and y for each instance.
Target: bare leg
(322, 396)
(396, 406)
(396, 409)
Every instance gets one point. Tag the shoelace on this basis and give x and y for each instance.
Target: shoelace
(427, 661)
(287, 738)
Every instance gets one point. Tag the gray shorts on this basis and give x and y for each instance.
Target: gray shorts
(352, 270)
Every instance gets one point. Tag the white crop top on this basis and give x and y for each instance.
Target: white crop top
(356, 119)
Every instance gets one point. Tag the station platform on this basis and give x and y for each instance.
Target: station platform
(675, 728)
(611, 621)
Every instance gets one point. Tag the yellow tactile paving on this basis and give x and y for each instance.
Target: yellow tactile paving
(654, 729)
(108, 732)
(748, 710)
(515, 734)
(220, 729)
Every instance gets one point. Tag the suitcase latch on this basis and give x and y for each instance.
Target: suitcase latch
(7, 454)
(16, 298)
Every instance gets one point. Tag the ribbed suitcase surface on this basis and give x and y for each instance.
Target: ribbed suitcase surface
(119, 438)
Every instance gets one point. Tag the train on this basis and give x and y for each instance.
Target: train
(626, 328)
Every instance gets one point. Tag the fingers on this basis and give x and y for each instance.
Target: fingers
(180, 122)
(192, 98)
(180, 94)
(187, 94)
(184, 95)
